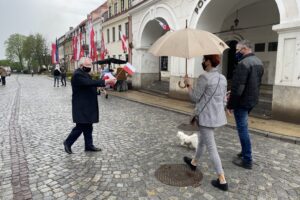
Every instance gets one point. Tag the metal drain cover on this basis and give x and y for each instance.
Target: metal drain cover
(178, 175)
(187, 127)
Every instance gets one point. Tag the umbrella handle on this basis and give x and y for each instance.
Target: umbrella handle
(179, 85)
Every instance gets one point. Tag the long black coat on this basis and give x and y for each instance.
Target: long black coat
(84, 97)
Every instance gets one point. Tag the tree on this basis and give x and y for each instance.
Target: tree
(35, 51)
(14, 48)
(29, 50)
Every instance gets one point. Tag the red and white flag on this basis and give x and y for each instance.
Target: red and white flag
(124, 41)
(129, 69)
(93, 50)
(80, 50)
(74, 47)
(103, 50)
(53, 53)
(108, 75)
(166, 27)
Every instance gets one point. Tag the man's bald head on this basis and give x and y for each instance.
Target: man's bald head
(85, 62)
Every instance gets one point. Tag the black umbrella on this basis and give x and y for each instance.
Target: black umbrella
(109, 61)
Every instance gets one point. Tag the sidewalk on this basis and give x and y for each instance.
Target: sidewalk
(269, 128)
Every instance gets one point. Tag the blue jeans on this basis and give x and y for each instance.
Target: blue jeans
(241, 119)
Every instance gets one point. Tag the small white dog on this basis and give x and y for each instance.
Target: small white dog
(190, 141)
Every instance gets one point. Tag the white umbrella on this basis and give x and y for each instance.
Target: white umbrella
(188, 43)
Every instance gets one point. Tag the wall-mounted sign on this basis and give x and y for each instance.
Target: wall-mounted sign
(199, 6)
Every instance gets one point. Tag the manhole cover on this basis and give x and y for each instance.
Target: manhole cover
(178, 175)
(187, 127)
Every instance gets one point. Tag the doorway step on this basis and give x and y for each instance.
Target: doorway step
(160, 88)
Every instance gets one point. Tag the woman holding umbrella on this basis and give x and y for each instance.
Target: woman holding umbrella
(209, 95)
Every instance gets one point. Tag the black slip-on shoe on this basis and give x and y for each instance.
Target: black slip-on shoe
(217, 184)
(239, 155)
(241, 163)
(93, 149)
(67, 148)
(188, 161)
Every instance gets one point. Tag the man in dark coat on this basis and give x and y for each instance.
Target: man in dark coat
(84, 105)
(244, 95)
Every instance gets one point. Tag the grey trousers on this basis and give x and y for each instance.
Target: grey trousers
(206, 138)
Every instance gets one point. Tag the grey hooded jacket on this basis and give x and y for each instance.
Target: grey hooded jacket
(213, 114)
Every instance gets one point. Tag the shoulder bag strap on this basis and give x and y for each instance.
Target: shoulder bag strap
(211, 95)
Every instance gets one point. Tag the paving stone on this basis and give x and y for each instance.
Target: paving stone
(136, 140)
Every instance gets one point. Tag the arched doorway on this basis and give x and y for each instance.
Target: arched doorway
(158, 67)
(252, 20)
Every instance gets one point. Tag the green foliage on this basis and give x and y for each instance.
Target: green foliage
(14, 48)
(5, 63)
(32, 49)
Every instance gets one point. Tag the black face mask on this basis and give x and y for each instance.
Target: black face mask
(86, 69)
(204, 66)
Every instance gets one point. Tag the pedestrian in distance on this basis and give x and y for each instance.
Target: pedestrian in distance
(209, 95)
(32, 72)
(63, 76)
(3, 75)
(85, 110)
(56, 74)
(244, 96)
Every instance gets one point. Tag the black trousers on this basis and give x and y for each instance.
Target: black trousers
(86, 129)
(3, 80)
(63, 80)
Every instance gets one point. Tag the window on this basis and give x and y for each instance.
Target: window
(259, 47)
(114, 34)
(127, 29)
(272, 46)
(122, 5)
(109, 11)
(108, 41)
(164, 63)
(120, 29)
(116, 8)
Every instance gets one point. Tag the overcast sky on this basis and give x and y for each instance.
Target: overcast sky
(51, 18)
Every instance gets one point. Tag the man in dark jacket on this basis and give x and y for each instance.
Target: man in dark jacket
(244, 95)
(84, 105)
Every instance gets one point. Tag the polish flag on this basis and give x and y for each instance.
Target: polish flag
(166, 27)
(74, 47)
(103, 50)
(129, 69)
(80, 50)
(108, 76)
(78, 47)
(53, 53)
(93, 50)
(124, 39)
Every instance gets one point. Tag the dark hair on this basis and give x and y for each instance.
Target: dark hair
(214, 59)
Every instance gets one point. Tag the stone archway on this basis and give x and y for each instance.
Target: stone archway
(149, 31)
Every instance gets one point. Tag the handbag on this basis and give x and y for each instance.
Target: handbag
(194, 121)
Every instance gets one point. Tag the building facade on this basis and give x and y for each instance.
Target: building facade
(272, 25)
(117, 22)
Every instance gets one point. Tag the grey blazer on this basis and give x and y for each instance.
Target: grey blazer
(213, 115)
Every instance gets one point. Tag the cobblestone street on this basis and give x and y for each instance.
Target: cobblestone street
(136, 139)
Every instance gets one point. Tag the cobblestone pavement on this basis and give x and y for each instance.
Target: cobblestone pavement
(136, 139)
